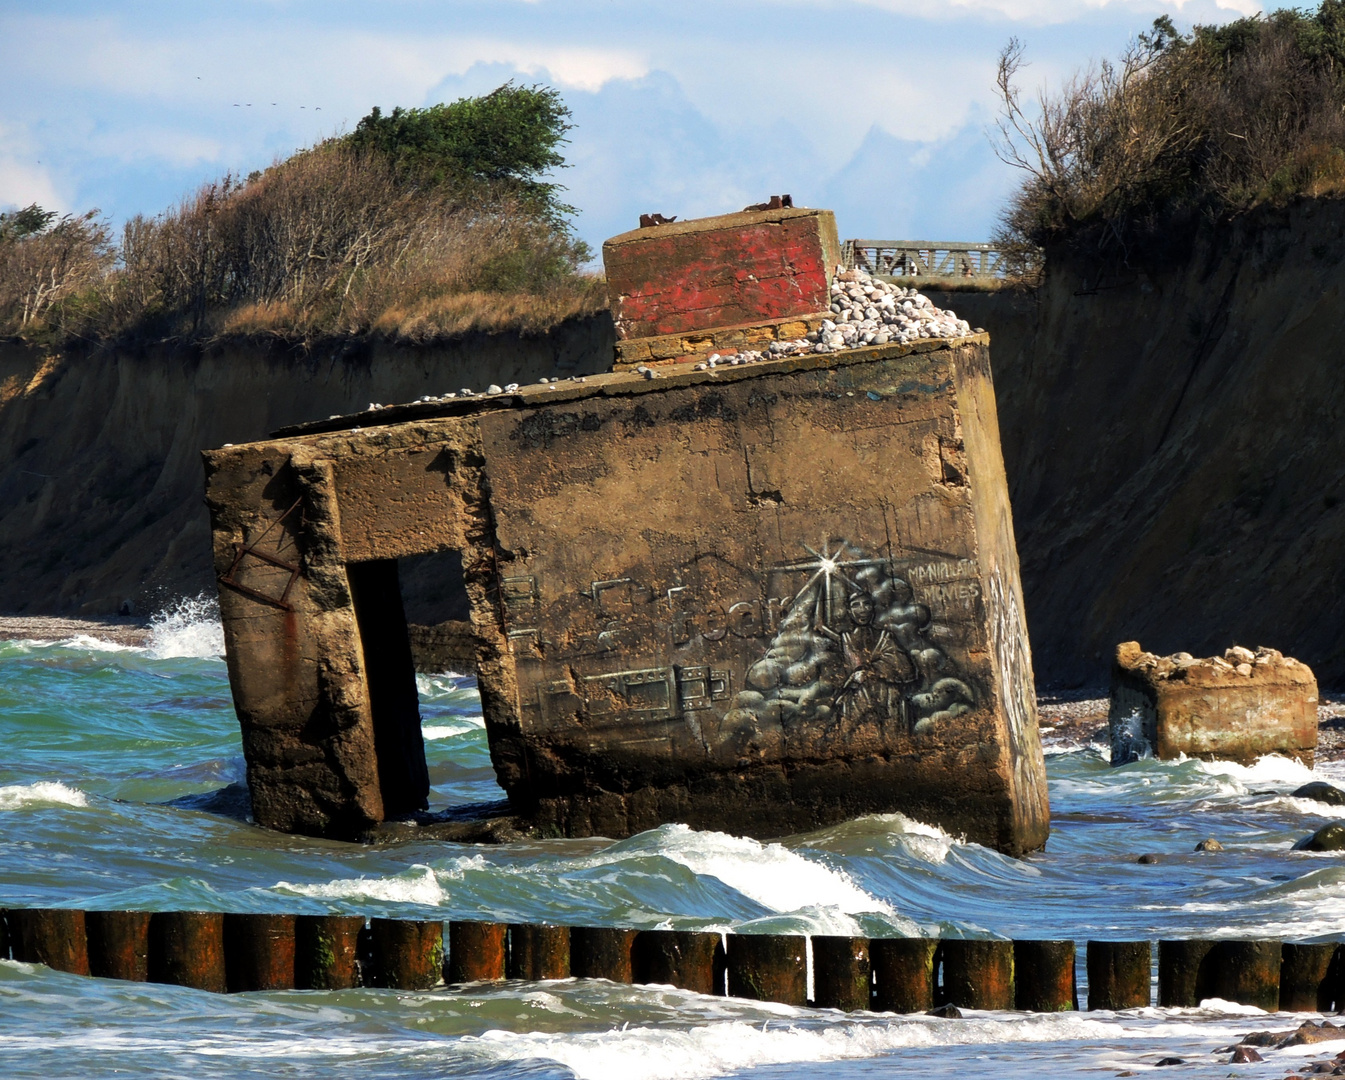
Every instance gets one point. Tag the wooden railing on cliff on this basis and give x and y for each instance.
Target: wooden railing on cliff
(925, 260)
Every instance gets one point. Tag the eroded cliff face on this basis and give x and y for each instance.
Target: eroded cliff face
(100, 467)
(1173, 441)
(1175, 448)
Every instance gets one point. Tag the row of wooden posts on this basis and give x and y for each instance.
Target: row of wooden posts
(237, 952)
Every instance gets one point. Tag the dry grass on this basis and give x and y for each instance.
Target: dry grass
(422, 318)
(327, 242)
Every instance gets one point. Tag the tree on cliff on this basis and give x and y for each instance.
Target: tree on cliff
(507, 139)
(48, 260)
(1182, 128)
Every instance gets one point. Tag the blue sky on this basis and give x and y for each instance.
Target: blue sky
(877, 109)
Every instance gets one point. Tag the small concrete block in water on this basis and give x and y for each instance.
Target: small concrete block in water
(1119, 974)
(1235, 707)
(721, 271)
(841, 973)
(768, 967)
(903, 970)
(118, 944)
(1043, 976)
(688, 959)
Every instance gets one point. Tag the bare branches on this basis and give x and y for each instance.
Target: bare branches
(50, 264)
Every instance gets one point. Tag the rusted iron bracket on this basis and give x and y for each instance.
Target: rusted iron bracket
(241, 551)
(776, 202)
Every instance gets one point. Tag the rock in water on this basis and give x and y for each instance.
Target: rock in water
(1328, 838)
(1322, 792)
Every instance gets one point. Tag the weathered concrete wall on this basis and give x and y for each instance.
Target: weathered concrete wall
(744, 268)
(762, 600)
(1236, 707)
(100, 471)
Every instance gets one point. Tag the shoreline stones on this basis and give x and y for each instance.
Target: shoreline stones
(1330, 837)
(1322, 792)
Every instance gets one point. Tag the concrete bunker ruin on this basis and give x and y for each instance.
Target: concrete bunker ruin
(763, 599)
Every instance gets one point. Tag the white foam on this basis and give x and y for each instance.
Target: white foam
(928, 843)
(43, 793)
(85, 643)
(189, 627)
(716, 1049)
(439, 685)
(1306, 807)
(418, 884)
(772, 875)
(459, 726)
(1270, 769)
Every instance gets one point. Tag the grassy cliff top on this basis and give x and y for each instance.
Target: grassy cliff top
(418, 224)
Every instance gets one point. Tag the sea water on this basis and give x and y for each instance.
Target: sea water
(121, 786)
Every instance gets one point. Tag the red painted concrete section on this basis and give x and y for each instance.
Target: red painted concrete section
(721, 271)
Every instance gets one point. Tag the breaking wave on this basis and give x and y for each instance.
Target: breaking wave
(42, 793)
(188, 627)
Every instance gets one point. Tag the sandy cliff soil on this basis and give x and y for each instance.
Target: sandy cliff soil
(100, 469)
(1175, 447)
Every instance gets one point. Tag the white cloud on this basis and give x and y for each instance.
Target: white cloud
(337, 67)
(22, 183)
(23, 177)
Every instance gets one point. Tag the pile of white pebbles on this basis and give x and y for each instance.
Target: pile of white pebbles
(867, 312)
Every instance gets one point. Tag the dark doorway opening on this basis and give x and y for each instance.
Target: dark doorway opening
(390, 671)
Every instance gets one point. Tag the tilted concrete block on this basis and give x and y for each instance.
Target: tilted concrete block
(744, 268)
(762, 599)
(1235, 707)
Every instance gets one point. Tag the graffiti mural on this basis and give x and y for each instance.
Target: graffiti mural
(853, 650)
